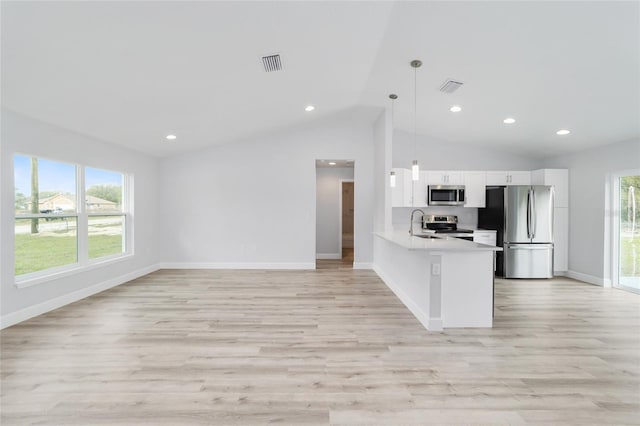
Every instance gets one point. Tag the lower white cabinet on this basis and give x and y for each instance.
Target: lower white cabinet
(484, 237)
(561, 239)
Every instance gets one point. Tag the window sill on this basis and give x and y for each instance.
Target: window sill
(73, 270)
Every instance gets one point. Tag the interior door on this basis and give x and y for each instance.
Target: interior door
(347, 214)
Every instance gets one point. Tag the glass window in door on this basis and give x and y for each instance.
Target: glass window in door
(629, 233)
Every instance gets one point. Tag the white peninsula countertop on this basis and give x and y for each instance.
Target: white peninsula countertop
(437, 243)
(445, 282)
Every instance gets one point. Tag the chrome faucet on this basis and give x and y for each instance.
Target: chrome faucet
(411, 220)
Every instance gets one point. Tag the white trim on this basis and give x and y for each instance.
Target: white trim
(235, 265)
(58, 302)
(434, 324)
(590, 279)
(35, 278)
(363, 265)
(328, 256)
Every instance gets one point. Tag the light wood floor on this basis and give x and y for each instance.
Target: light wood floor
(320, 347)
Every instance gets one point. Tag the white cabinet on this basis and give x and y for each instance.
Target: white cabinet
(420, 198)
(444, 177)
(560, 239)
(502, 177)
(559, 178)
(401, 194)
(483, 236)
(475, 189)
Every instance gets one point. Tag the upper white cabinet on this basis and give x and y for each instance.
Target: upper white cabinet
(507, 177)
(475, 189)
(401, 194)
(443, 177)
(420, 191)
(559, 178)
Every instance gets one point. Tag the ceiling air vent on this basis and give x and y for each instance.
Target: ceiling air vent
(272, 63)
(450, 86)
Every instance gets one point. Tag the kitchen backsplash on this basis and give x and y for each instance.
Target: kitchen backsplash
(466, 216)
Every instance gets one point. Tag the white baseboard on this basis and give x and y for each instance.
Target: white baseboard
(431, 325)
(238, 265)
(363, 265)
(60, 301)
(328, 256)
(590, 279)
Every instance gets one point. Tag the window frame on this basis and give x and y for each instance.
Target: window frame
(83, 262)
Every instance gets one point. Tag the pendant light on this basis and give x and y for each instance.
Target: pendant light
(392, 175)
(415, 169)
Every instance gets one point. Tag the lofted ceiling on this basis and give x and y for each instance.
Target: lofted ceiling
(133, 72)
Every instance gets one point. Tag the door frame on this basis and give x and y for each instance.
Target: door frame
(614, 208)
(342, 181)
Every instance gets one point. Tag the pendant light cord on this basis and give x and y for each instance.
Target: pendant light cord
(415, 110)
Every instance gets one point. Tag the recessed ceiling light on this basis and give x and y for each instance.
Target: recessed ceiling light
(332, 163)
(455, 108)
(509, 120)
(171, 137)
(563, 132)
(309, 108)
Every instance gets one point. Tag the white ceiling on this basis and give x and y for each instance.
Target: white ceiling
(133, 72)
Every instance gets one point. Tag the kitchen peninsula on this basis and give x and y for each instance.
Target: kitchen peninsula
(445, 282)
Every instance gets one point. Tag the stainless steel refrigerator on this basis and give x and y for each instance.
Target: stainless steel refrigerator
(522, 215)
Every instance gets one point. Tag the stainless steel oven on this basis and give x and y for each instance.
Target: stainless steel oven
(446, 195)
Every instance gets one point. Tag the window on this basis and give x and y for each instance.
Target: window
(106, 220)
(55, 232)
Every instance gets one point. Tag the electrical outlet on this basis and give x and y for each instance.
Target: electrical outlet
(435, 269)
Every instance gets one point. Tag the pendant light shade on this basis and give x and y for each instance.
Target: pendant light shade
(415, 169)
(392, 174)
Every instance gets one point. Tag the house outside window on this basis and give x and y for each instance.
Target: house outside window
(53, 231)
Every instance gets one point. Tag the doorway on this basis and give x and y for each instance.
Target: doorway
(346, 220)
(626, 227)
(335, 214)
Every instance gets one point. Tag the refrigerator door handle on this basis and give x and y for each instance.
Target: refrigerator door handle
(529, 246)
(529, 214)
(533, 213)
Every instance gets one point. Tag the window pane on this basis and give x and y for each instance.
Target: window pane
(105, 236)
(44, 186)
(629, 273)
(103, 190)
(55, 244)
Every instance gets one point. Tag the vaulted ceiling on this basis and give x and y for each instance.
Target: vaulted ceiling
(133, 72)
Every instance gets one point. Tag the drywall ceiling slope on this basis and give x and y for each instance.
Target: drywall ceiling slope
(550, 65)
(133, 72)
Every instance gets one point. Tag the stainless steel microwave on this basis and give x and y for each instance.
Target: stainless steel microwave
(446, 195)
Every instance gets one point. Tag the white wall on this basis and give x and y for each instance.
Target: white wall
(382, 153)
(328, 214)
(253, 203)
(28, 136)
(589, 218)
(433, 154)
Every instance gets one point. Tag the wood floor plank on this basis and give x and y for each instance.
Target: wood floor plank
(331, 346)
